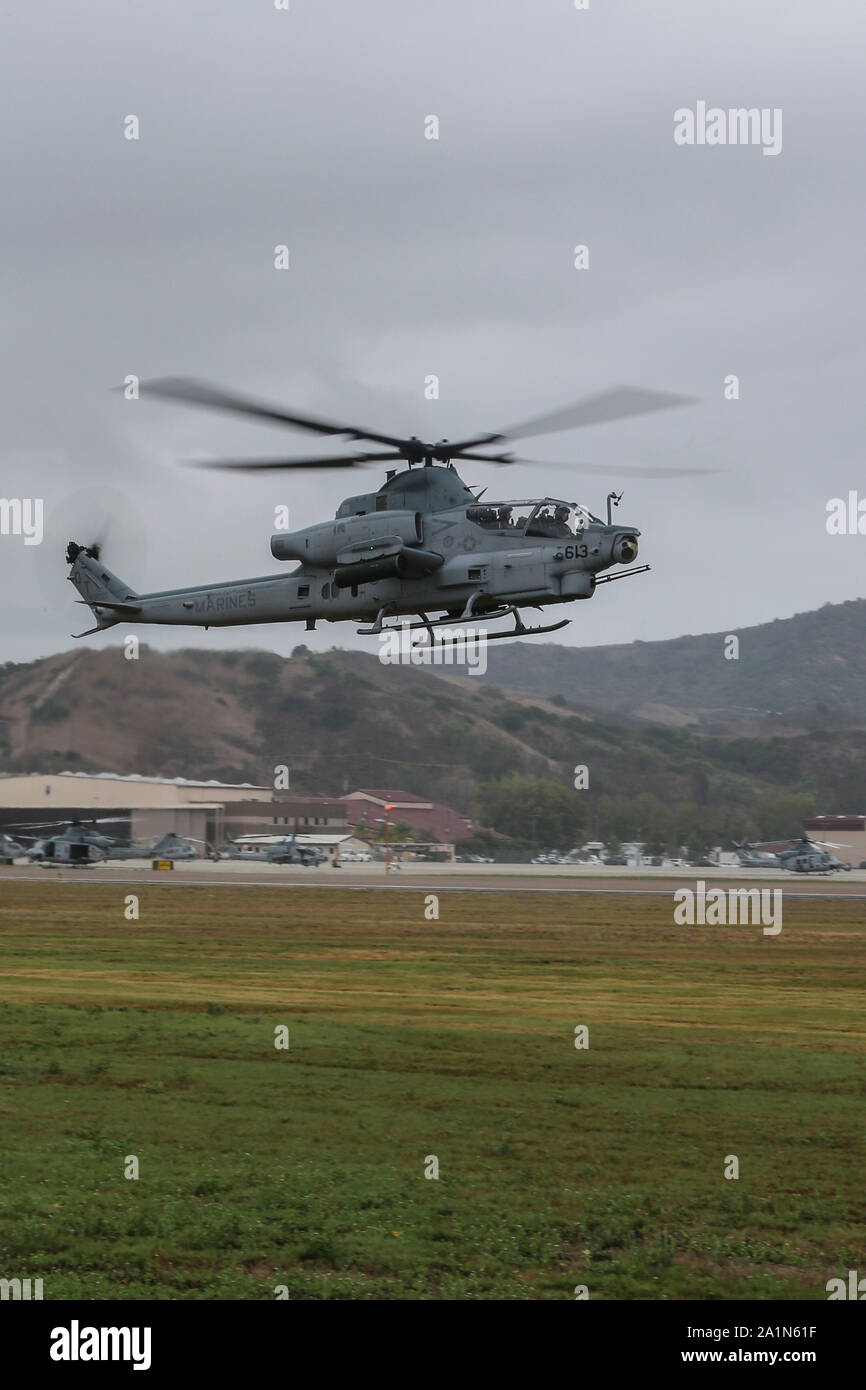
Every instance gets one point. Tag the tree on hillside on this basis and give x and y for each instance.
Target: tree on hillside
(781, 817)
(533, 808)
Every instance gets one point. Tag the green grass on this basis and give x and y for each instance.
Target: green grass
(410, 1038)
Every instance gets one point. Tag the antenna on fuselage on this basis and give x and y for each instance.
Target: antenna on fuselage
(613, 498)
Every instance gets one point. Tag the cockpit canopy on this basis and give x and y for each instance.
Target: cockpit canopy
(546, 518)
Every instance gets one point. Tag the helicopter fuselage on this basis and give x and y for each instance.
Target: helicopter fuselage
(444, 552)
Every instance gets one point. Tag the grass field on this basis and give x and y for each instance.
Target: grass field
(409, 1038)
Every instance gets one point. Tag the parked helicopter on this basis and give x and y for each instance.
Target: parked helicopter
(168, 846)
(10, 850)
(285, 851)
(422, 544)
(803, 856)
(807, 856)
(751, 858)
(80, 845)
(77, 846)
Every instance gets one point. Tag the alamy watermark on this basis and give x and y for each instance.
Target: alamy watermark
(732, 907)
(408, 646)
(739, 125)
(18, 1289)
(22, 516)
(77, 1343)
(846, 516)
(855, 1289)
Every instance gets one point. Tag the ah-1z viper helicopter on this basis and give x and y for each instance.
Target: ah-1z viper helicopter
(284, 851)
(423, 543)
(167, 846)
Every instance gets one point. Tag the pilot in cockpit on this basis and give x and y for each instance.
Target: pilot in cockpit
(550, 521)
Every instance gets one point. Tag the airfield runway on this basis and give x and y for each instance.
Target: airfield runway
(437, 878)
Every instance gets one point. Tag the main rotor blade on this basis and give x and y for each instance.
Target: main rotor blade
(619, 403)
(49, 824)
(314, 461)
(191, 392)
(483, 458)
(600, 470)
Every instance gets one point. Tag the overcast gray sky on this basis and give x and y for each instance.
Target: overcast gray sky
(411, 257)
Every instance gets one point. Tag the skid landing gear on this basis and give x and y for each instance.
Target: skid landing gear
(385, 612)
(519, 630)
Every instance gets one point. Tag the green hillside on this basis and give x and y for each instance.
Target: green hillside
(342, 720)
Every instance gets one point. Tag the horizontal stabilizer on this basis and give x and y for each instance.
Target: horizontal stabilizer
(125, 610)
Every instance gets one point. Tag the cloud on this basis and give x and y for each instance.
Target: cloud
(454, 256)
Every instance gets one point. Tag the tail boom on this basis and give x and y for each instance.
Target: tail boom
(107, 596)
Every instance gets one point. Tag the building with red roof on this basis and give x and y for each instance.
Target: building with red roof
(428, 819)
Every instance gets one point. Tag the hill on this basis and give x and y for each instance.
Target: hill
(791, 666)
(342, 720)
